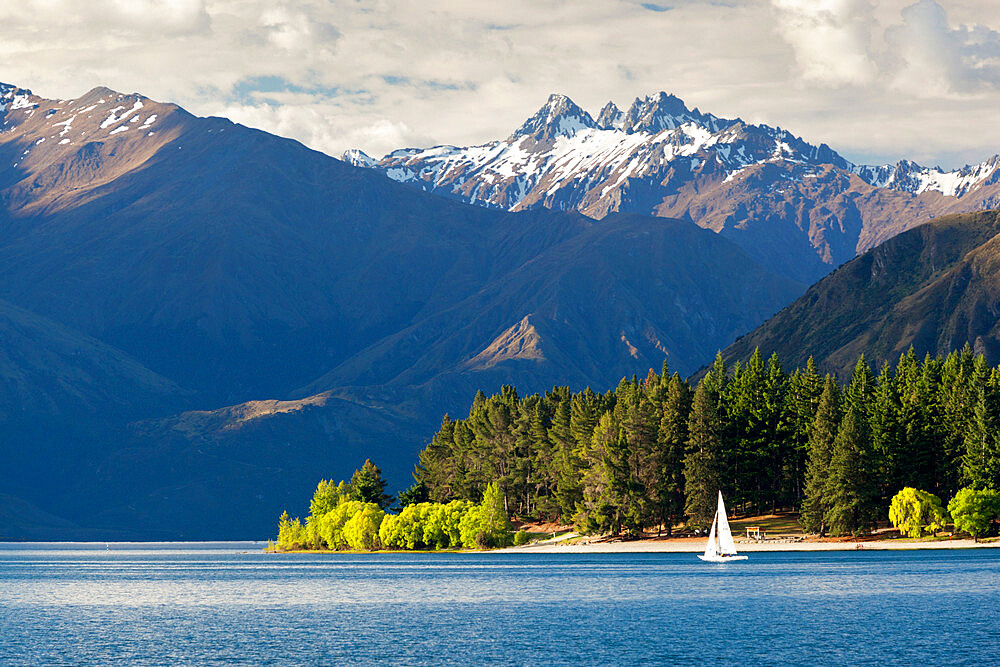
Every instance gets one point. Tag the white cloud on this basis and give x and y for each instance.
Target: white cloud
(928, 58)
(381, 74)
(318, 128)
(831, 38)
(915, 51)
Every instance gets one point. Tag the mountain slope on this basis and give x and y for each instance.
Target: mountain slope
(64, 398)
(246, 268)
(642, 289)
(935, 287)
(209, 244)
(801, 209)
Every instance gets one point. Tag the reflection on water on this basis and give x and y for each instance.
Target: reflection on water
(228, 602)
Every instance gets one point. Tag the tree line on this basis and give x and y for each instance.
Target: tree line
(352, 515)
(652, 453)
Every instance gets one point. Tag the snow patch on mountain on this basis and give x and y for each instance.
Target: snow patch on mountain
(909, 176)
(358, 158)
(13, 98)
(562, 158)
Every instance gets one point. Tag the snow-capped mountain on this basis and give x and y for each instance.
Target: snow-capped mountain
(562, 158)
(769, 190)
(908, 176)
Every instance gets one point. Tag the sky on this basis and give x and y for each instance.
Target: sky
(877, 81)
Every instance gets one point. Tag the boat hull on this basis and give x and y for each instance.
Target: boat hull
(720, 559)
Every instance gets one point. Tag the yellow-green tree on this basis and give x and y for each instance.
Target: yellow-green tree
(443, 522)
(914, 511)
(361, 530)
(486, 525)
(389, 534)
(326, 497)
(973, 510)
(331, 525)
(291, 533)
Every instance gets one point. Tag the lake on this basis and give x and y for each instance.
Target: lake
(229, 603)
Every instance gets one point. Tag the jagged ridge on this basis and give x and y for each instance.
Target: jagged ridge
(660, 157)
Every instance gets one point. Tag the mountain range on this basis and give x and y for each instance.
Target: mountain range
(200, 320)
(799, 208)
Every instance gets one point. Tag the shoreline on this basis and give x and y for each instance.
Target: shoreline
(683, 545)
(697, 545)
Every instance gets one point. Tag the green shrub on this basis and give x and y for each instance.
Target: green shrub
(520, 537)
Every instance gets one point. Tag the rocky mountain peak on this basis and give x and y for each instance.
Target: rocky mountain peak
(655, 113)
(611, 117)
(358, 158)
(559, 116)
(12, 98)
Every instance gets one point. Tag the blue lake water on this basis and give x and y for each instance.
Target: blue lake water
(229, 603)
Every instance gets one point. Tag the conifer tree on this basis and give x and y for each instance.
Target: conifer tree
(804, 390)
(702, 477)
(437, 463)
(568, 462)
(861, 389)
(600, 511)
(849, 490)
(367, 485)
(958, 398)
(823, 433)
(415, 494)
(672, 438)
(887, 436)
(981, 462)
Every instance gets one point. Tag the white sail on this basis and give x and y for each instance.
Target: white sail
(726, 544)
(721, 547)
(712, 548)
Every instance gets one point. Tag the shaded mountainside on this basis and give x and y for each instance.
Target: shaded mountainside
(263, 315)
(209, 245)
(623, 295)
(64, 398)
(800, 209)
(935, 287)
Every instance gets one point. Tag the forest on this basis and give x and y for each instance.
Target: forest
(652, 453)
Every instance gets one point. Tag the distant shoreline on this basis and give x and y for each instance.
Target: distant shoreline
(697, 545)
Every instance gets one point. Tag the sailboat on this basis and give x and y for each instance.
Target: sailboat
(720, 547)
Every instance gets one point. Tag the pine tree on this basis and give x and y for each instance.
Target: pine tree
(639, 422)
(860, 391)
(981, 462)
(702, 477)
(958, 391)
(417, 493)
(437, 463)
(887, 437)
(568, 462)
(672, 438)
(601, 508)
(821, 438)
(367, 485)
(804, 390)
(744, 451)
(849, 491)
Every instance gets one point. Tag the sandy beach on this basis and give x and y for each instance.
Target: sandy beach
(697, 545)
